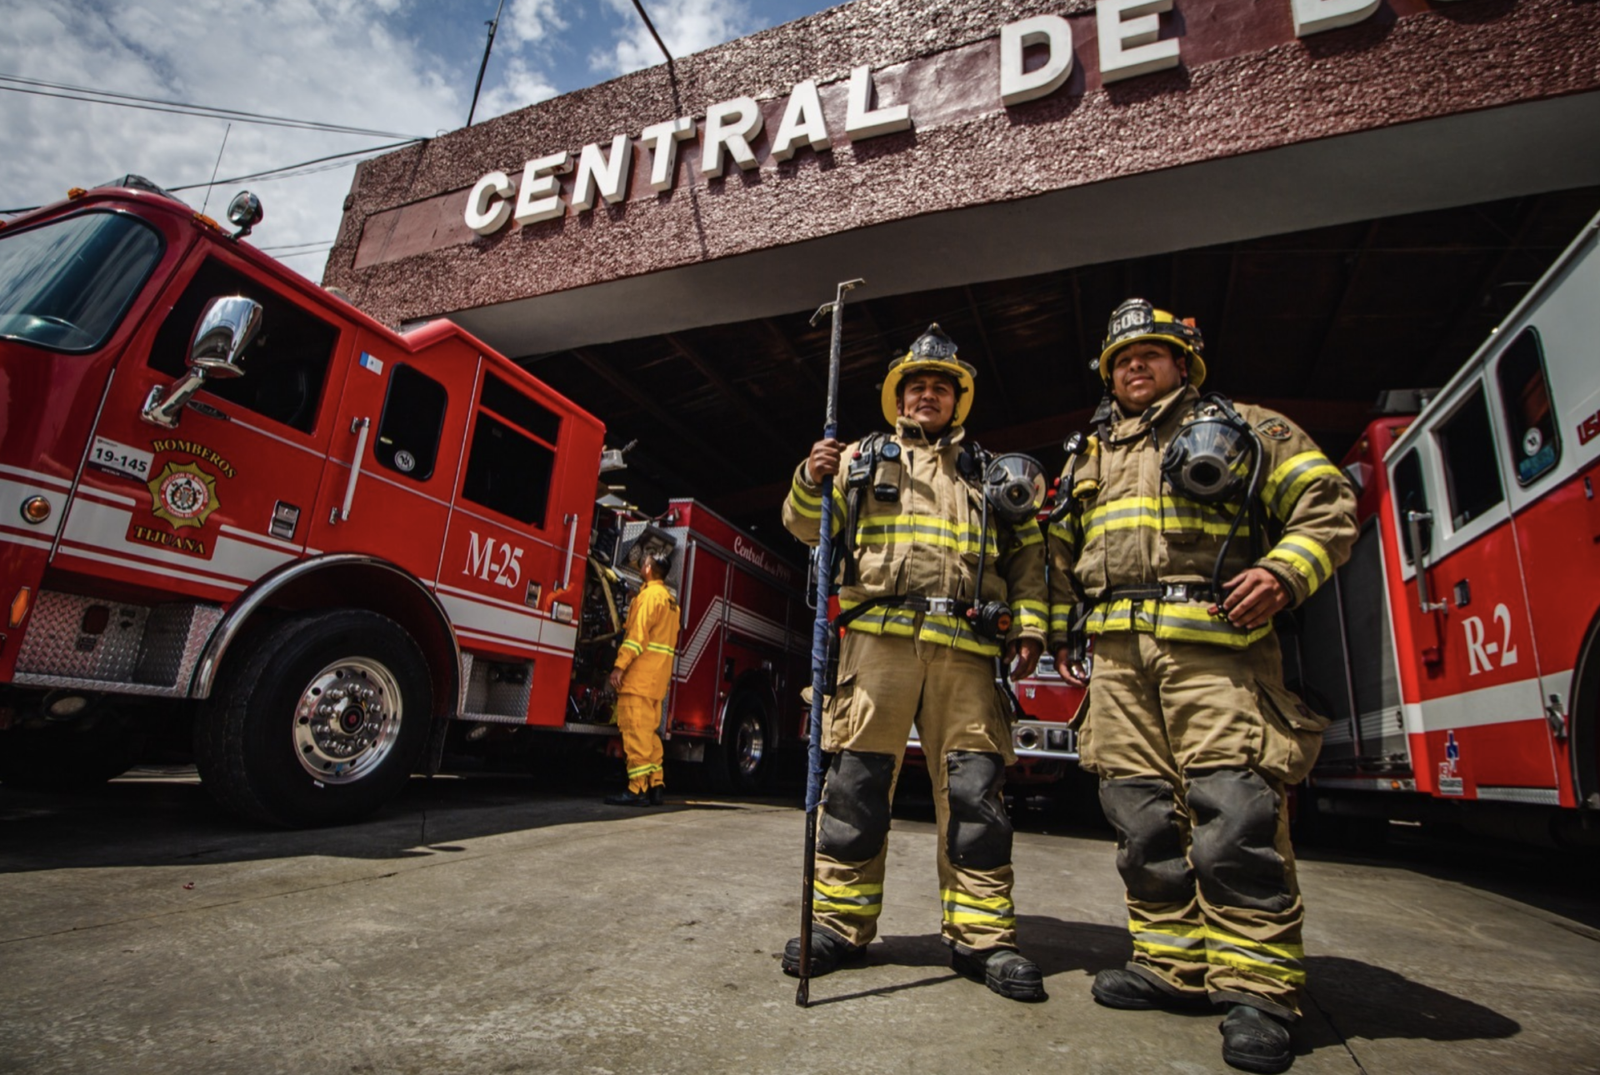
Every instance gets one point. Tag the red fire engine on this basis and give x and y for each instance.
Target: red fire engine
(1457, 654)
(238, 508)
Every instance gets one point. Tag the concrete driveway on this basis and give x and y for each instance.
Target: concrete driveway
(483, 925)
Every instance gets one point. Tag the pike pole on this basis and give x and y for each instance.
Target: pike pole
(819, 644)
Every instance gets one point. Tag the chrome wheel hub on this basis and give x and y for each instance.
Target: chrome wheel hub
(347, 720)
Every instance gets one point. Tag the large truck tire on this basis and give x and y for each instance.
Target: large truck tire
(318, 720)
(741, 761)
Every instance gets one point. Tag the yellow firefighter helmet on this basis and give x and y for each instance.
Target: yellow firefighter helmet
(1137, 320)
(933, 352)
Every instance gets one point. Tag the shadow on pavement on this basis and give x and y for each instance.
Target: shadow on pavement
(1359, 1000)
(159, 818)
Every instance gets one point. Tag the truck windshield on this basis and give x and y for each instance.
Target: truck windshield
(66, 285)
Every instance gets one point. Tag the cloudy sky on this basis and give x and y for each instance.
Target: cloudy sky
(394, 68)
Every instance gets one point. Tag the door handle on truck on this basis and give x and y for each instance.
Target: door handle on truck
(1414, 521)
(360, 427)
(572, 545)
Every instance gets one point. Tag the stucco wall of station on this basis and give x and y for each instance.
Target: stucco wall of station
(1245, 84)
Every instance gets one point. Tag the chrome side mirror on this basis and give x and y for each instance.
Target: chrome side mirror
(1415, 521)
(227, 326)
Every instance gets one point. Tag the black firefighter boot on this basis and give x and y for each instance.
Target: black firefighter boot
(1004, 970)
(1252, 1040)
(630, 798)
(1132, 991)
(829, 952)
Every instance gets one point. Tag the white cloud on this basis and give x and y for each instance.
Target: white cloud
(338, 61)
(519, 87)
(686, 26)
(532, 21)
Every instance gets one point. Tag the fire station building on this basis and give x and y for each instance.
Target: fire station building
(1347, 195)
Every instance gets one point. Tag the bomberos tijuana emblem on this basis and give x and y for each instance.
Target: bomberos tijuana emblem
(184, 495)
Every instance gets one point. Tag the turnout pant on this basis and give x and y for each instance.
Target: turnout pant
(639, 720)
(1194, 744)
(886, 684)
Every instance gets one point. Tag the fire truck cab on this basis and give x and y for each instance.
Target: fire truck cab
(1458, 652)
(234, 505)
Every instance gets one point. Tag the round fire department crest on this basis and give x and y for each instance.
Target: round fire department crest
(184, 495)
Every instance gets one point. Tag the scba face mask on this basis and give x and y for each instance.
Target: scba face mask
(1209, 458)
(1014, 486)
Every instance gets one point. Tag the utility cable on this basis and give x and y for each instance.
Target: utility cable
(289, 171)
(156, 104)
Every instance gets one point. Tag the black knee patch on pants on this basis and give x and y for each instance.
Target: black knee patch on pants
(979, 834)
(855, 818)
(1144, 811)
(1235, 856)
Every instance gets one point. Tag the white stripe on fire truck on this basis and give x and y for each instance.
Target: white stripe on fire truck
(108, 496)
(92, 527)
(10, 535)
(511, 643)
(471, 613)
(266, 540)
(1508, 703)
(128, 560)
(740, 619)
(35, 477)
(526, 610)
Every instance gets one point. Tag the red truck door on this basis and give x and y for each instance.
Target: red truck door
(395, 452)
(512, 568)
(217, 501)
(1481, 714)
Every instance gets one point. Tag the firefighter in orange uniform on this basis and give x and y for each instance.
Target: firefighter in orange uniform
(641, 676)
(909, 510)
(1193, 520)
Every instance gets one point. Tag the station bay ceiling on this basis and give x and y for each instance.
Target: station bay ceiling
(1316, 323)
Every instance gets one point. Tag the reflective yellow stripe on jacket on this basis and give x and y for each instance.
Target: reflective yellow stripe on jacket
(1171, 620)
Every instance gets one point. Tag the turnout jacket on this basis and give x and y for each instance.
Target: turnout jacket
(1131, 529)
(927, 543)
(649, 642)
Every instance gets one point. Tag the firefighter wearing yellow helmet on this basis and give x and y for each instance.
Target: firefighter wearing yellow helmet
(919, 648)
(1188, 522)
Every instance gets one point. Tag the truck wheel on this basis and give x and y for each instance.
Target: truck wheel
(742, 760)
(319, 720)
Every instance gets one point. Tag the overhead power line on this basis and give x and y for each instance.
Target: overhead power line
(64, 91)
(290, 171)
(304, 167)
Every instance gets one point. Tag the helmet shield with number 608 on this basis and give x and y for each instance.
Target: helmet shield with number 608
(1137, 320)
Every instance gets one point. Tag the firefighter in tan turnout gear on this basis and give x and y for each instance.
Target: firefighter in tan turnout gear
(909, 515)
(641, 676)
(1185, 523)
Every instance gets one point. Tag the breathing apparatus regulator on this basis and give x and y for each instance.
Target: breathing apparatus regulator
(1013, 488)
(1215, 458)
(1209, 458)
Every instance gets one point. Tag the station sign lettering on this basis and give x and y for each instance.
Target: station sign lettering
(1128, 40)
